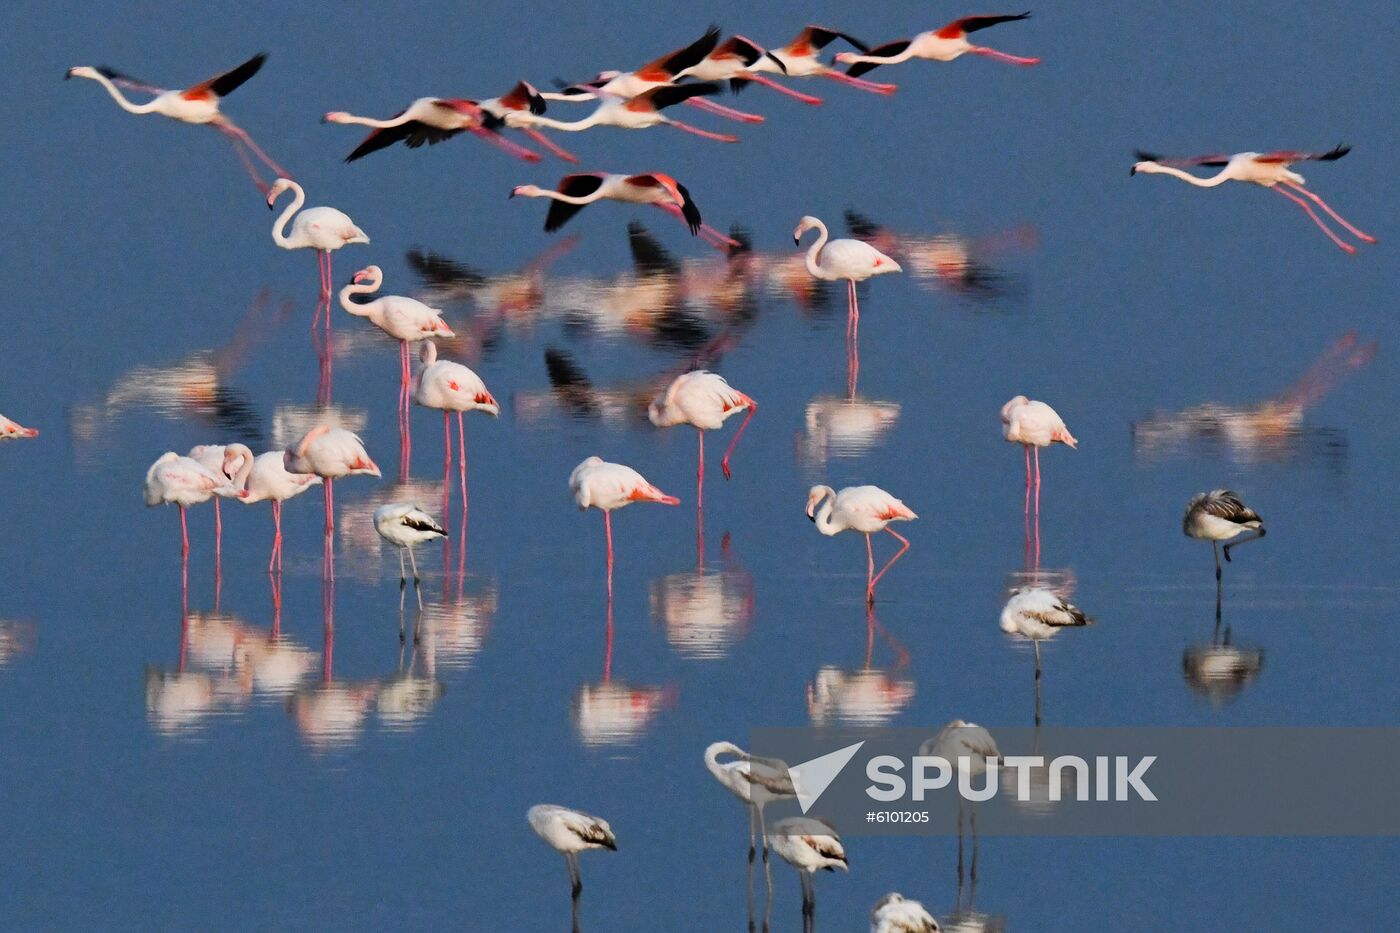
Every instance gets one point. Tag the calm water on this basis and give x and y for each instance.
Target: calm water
(331, 777)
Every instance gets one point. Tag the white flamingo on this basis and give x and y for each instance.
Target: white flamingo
(598, 484)
(1034, 424)
(755, 781)
(894, 913)
(570, 832)
(323, 229)
(224, 460)
(451, 387)
(330, 453)
(940, 45)
(266, 478)
(809, 846)
(178, 480)
(703, 400)
(866, 509)
(428, 120)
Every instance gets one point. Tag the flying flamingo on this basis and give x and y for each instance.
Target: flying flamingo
(10, 430)
(575, 192)
(1269, 169)
(939, 45)
(198, 104)
(184, 482)
(596, 483)
(852, 260)
(756, 782)
(867, 509)
(1217, 516)
(330, 453)
(405, 319)
(894, 913)
(1034, 424)
(450, 386)
(801, 58)
(733, 60)
(323, 229)
(224, 461)
(643, 111)
(427, 120)
(265, 478)
(403, 525)
(809, 846)
(518, 109)
(570, 832)
(703, 400)
(660, 72)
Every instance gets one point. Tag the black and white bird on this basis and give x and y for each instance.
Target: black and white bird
(809, 846)
(403, 525)
(893, 913)
(755, 781)
(570, 832)
(1037, 613)
(1217, 516)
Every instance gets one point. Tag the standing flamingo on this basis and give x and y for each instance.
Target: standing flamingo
(427, 120)
(1269, 169)
(224, 461)
(801, 58)
(643, 111)
(809, 846)
(852, 260)
(1217, 516)
(703, 400)
(198, 104)
(405, 319)
(596, 483)
(575, 192)
(450, 386)
(10, 430)
(894, 913)
(403, 525)
(265, 478)
(1034, 424)
(184, 482)
(733, 61)
(1037, 613)
(330, 453)
(323, 229)
(939, 45)
(756, 782)
(867, 509)
(570, 832)
(518, 109)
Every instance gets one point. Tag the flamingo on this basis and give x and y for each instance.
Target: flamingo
(703, 400)
(939, 45)
(894, 913)
(1037, 613)
(428, 120)
(570, 832)
(575, 192)
(1217, 516)
(755, 781)
(517, 109)
(1269, 169)
(226, 462)
(809, 846)
(969, 749)
(596, 483)
(867, 509)
(405, 319)
(733, 60)
(852, 260)
(197, 104)
(450, 386)
(323, 229)
(1034, 424)
(266, 478)
(11, 431)
(801, 58)
(643, 111)
(330, 453)
(403, 525)
(184, 482)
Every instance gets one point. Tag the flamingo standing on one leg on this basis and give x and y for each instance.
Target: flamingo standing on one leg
(226, 461)
(198, 104)
(330, 453)
(570, 832)
(801, 58)
(10, 430)
(596, 483)
(703, 400)
(575, 192)
(517, 109)
(406, 320)
(867, 509)
(450, 386)
(1034, 424)
(939, 45)
(428, 120)
(852, 260)
(265, 478)
(184, 482)
(643, 111)
(733, 60)
(1217, 516)
(1269, 169)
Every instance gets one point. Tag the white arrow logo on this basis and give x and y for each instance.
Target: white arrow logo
(810, 779)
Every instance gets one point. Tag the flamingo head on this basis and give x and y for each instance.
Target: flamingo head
(336, 116)
(1146, 168)
(803, 225)
(81, 71)
(274, 192)
(368, 274)
(814, 498)
(526, 191)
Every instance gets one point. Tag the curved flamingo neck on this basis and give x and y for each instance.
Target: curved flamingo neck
(823, 517)
(1219, 178)
(121, 100)
(814, 253)
(359, 288)
(240, 479)
(279, 226)
(569, 127)
(400, 120)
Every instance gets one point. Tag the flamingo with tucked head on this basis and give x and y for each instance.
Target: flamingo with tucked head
(451, 387)
(703, 400)
(598, 484)
(265, 478)
(330, 453)
(184, 482)
(1034, 424)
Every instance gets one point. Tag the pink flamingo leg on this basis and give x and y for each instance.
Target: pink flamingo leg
(729, 452)
(904, 546)
(554, 148)
(855, 339)
(1037, 484)
(276, 535)
(248, 165)
(1366, 237)
(184, 534)
(729, 113)
(718, 239)
(706, 134)
(1028, 477)
(1307, 209)
(462, 461)
(1003, 56)
(607, 530)
(218, 535)
(869, 571)
(240, 134)
(859, 83)
(446, 459)
(496, 139)
(700, 480)
(783, 89)
(326, 491)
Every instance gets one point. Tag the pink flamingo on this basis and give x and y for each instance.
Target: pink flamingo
(867, 509)
(10, 431)
(703, 400)
(330, 453)
(575, 192)
(596, 483)
(224, 461)
(428, 120)
(450, 386)
(733, 60)
(643, 111)
(1034, 425)
(939, 45)
(517, 109)
(265, 478)
(801, 58)
(184, 482)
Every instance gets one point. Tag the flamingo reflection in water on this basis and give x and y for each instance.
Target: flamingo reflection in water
(867, 696)
(612, 712)
(844, 427)
(951, 262)
(331, 714)
(16, 638)
(705, 612)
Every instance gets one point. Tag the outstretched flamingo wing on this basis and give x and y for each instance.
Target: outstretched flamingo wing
(672, 63)
(575, 186)
(228, 82)
(960, 27)
(888, 50)
(1284, 158)
(819, 37)
(127, 81)
(1219, 159)
(659, 98)
(524, 97)
(413, 134)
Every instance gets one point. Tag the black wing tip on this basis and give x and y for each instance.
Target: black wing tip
(689, 211)
(860, 68)
(1340, 150)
